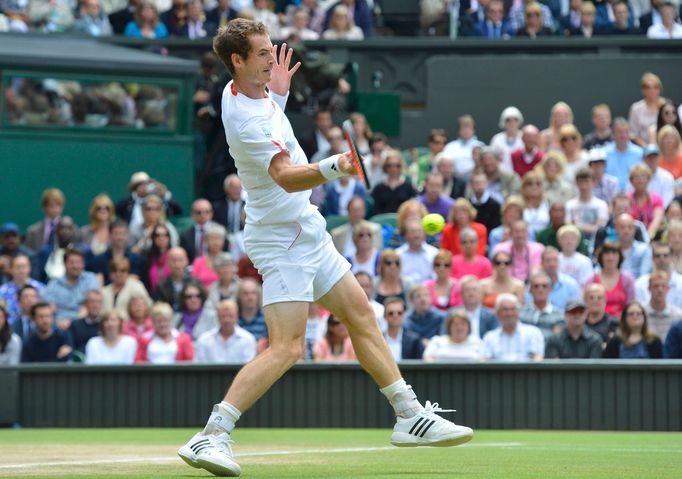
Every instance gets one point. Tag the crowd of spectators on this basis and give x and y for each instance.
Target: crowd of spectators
(556, 245)
(345, 19)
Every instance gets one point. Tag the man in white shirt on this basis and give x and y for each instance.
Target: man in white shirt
(513, 340)
(662, 261)
(660, 314)
(228, 343)
(404, 344)
(342, 236)
(636, 254)
(416, 254)
(461, 149)
(669, 28)
(586, 211)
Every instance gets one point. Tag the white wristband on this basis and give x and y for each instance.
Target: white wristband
(329, 167)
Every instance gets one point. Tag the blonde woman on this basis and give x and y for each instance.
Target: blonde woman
(102, 215)
(557, 189)
(341, 26)
(643, 113)
(645, 206)
(571, 141)
(153, 214)
(560, 115)
(462, 215)
(670, 158)
(512, 210)
(389, 282)
(410, 209)
(444, 289)
(536, 207)
(394, 190)
(146, 23)
(366, 257)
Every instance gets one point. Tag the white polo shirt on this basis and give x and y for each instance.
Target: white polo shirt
(526, 340)
(240, 347)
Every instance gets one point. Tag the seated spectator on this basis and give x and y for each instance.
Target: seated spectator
(669, 143)
(574, 341)
(139, 322)
(601, 135)
(146, 23)
(536, 206)
(390, 281)
(23, 326)
(423, 320)
(462, 215)
(43, 232)
(667, 115)
(622, 154)
(87, 326)
(341, 26)
(644, 112)
(571, 263)
(166, 345)
(662, 262)
(502, 182)
(597, 319)
(367, 285)
(316, 326)
(588, 17)
(67, 294)
(619, 286)
(196, 26)
(646, 206)
(193, 240)
(669, 27)
(342, 236)
(469, 262)
(366, 256)
(443, 289)
(672, 349)
(47, 344)
(661, 181)
(374, 162)
(621, 24)
(202, 267)
(501, 281)
(111, 346)
(458, 343)
(570, 144)
(556, 188)
(572, 20)
(404, 344)
(227, 284)
(425, 164)
(557, 219)
(48, 262)
(660, 314)
(513, 340)
(481, 319)
(564, 287)
(534, 25)
(512, 211)
(251, 316)
(226, 343)
(394, 190)
(10, 243)
(141, 234)
(299, 26)
(416, 255)
(410, 209)
(92, 20)
(10, 342)
(494, 26)
(633, 340)
(116, 295)
(620, 205)
(335, 345)
(168, 290)
(673, 213)
(20, 269)
(517, 15)
(586, 211)
(487, 208)
(525, 255)
(119, 19)
(118, 248)
(156, 259)
(461, 149)
(539, 311)
(433, 198)
(338, 193)
(193, 318)
(131, 210)
(636, 254)
(221, 14)
(606, 187)
(229, 211)
(560, 115)
(361, 15)
(508, 140)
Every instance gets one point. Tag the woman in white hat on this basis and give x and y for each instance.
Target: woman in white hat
(509, 139)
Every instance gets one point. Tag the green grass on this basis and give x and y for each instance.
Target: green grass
(492, 454)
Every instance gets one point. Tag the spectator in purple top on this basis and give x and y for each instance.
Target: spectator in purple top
(433, 197)
(193, 318)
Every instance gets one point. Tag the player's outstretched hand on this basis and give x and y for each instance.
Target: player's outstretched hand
(280, 78)
(346, 164)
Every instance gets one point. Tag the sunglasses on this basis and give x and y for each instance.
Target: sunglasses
(389, 262)
(502, 263)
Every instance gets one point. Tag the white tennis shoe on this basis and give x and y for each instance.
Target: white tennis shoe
(429, 429)
(211, 452)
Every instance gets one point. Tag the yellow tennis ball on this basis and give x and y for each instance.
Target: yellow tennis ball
(433, 223)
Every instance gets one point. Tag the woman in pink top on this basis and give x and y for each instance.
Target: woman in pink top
(335, 345)
(202, 266)
(469, 262)
(644, 206)
(139, 323)
(444, 289)
(620, 287)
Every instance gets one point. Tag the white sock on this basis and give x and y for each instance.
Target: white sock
(222, 419)
(402, 398)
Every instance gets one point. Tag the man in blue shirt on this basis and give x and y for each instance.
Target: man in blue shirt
(424, 320)
(622, 154)
(564, 288)
(48, 344)
(250, 313)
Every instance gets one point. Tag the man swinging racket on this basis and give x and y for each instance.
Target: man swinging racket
(286, 239)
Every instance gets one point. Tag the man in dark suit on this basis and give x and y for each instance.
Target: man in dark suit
(120, 18)
(22, 325)
(404, 344)
(482, 319)
(316, 139)
(221, 14)
(129, 209)
(193, 239)
(229, 211)
(493, 26)
(43, 232)
(648, 19)
(168, 289)
(197, 26)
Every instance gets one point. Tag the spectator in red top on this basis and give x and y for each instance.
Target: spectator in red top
(462, 216)
(526, 158)
(469, 262)
(619, 286)
(166, 345)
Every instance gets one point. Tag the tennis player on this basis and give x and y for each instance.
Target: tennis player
(286, 238)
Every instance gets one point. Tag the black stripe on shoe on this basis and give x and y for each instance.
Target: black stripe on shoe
(416, 424)
(426, 421)
(200, 449)
(199, 444)
(427, 428)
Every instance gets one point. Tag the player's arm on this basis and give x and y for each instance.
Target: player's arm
(293, 178)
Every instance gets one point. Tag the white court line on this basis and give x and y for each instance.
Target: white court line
(168, 459)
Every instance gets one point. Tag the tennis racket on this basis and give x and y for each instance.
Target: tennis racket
(359, 165)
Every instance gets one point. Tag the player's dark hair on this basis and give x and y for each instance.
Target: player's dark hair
(234, 38)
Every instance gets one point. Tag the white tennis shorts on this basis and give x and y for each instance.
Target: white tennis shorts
(297, 260)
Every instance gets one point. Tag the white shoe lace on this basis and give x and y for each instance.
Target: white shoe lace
(222, 443)
(431, 409)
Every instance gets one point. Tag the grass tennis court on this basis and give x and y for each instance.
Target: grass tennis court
(343, 453)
